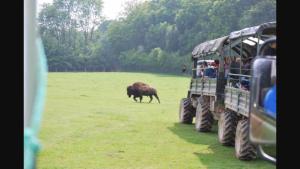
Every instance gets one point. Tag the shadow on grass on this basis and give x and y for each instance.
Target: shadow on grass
(161, 74)
(172, 75)
(146, 102)
(189, 134)
(213, 155)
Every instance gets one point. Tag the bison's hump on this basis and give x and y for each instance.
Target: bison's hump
(139, 84)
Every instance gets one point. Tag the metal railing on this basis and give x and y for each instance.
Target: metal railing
(238, 80)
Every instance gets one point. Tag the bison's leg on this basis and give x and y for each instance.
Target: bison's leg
(141, 97)
(157, 97)
(134, 98)
(150, 98)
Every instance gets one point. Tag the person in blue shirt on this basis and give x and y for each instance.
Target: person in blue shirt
(270, 102)
(209, 71)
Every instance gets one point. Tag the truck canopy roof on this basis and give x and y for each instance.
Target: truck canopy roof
(208, 47)
(247, 38)
(270, 26)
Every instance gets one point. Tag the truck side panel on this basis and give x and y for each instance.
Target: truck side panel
(237, 100)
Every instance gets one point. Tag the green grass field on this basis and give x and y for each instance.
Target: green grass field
(90, 123)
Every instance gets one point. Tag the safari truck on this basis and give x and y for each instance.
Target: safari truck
(233, 124)
(263, 99)
(226, 97)
(202, 95)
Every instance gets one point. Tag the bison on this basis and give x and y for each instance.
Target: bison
(140, 89)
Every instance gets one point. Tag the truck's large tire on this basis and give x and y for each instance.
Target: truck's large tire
(204, 119)
(186, 111)
(227, 128)
(244, 150)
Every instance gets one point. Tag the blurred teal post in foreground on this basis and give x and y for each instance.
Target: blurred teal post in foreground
(35, 76)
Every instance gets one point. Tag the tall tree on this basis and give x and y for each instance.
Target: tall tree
(156, 35)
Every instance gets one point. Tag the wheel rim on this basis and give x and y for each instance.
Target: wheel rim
(220, 127)
(198, 118)
(181, 111)
(238, 140)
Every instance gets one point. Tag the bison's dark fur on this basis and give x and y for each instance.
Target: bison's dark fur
(140, 89)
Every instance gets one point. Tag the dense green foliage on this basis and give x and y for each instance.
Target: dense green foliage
(155, 36)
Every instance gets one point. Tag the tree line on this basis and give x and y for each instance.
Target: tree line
(151, 36)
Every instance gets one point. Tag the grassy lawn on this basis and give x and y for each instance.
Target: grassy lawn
(90, 123)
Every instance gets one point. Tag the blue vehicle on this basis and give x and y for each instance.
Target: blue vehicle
(263, 99)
